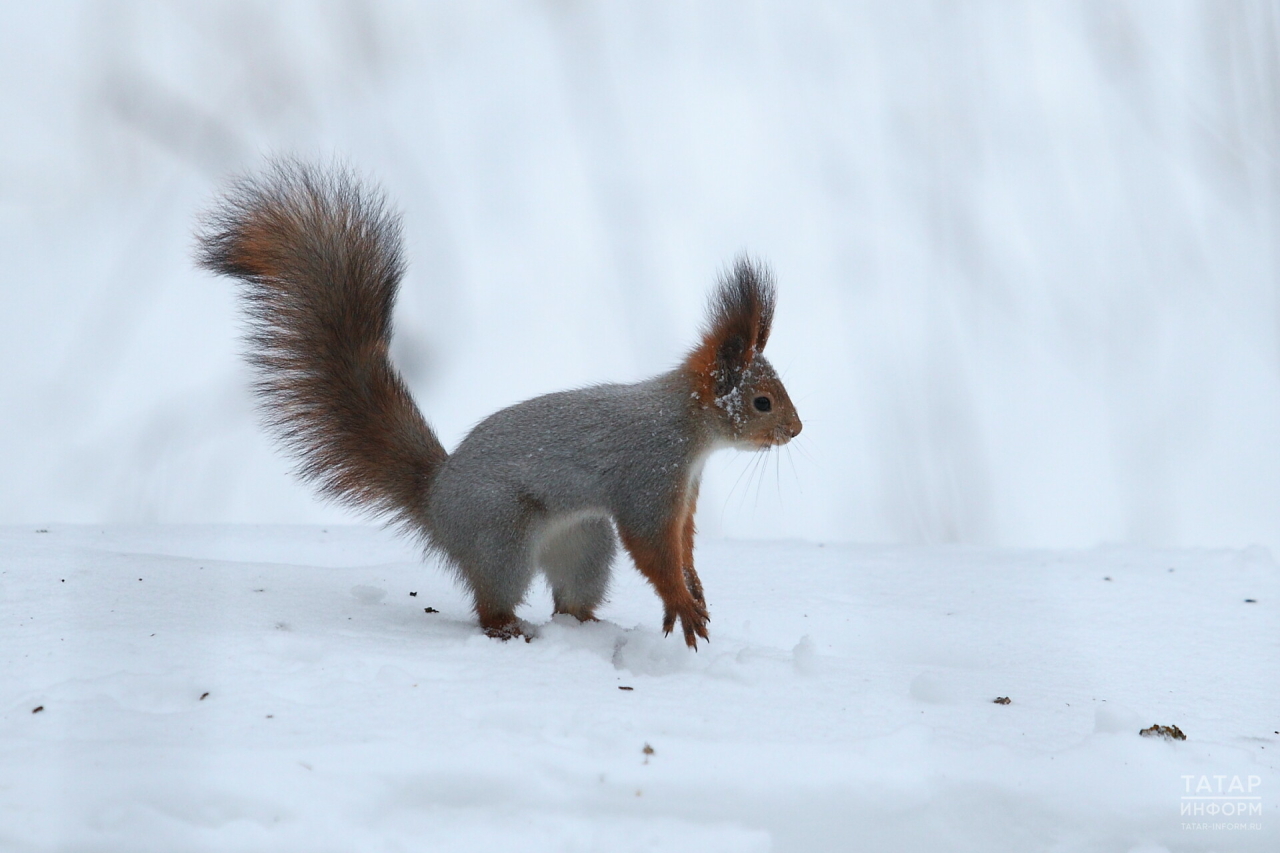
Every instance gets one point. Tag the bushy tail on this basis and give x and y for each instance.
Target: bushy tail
(318, 257)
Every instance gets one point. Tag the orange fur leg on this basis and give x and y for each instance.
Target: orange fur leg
(691, 579)
(660, 562)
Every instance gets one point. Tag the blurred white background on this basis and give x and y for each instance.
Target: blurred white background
(1027, 251)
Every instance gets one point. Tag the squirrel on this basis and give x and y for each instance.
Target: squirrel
(540, 485)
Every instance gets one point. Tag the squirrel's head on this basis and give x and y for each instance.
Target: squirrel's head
(732, 379)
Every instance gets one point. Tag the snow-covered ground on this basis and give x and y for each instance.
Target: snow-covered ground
(1027, 261)
(282, 688)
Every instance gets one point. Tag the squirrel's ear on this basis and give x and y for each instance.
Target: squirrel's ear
(738, 322)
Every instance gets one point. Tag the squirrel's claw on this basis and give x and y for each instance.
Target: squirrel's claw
(693, 622)
(690, 629)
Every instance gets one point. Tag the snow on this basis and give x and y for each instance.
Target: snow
(1027, 266)
(845, 701)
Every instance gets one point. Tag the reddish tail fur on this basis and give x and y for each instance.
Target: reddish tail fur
(319, 260)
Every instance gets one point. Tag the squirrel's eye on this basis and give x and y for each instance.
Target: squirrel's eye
(762, 404)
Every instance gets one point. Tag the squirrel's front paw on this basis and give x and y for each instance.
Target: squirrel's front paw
(693, 620)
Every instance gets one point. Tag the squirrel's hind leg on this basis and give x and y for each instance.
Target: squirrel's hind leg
(577, 561)
(498, 571)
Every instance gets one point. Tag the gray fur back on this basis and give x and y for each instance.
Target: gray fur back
(623, 452)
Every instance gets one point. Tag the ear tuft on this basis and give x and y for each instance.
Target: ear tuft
(744, 302)
(739, 318)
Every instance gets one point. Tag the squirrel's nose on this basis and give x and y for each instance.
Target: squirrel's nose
(794, 427)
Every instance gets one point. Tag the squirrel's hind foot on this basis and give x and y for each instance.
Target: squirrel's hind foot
(581, 614)
(504, 627)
